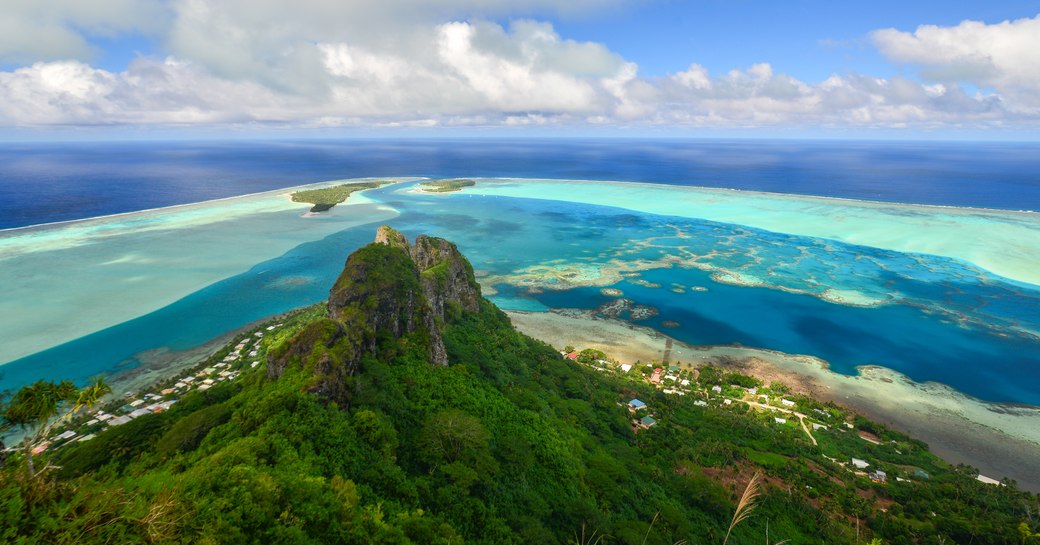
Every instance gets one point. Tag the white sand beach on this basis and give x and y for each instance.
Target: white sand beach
(1000, 440)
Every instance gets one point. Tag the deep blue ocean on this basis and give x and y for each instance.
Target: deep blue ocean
(44, 183)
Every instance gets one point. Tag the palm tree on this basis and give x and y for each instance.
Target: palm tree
(37, 408)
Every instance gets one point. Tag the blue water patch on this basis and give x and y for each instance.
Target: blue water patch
(940, 320)
(300, 277)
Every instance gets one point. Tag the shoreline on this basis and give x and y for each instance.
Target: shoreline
(1001, 440)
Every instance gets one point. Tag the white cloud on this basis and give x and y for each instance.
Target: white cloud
(1003, 56)
(411, 63)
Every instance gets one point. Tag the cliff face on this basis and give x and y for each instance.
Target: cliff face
(387, 291)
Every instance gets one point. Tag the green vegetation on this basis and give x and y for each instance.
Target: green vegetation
(446, 186)
(510, 443)
(325, 198)
(37, 408)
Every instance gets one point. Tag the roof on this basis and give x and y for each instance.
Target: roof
(636, 403)
(647, 421)
(572, 356)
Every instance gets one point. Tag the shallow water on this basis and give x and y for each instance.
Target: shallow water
(929, 317)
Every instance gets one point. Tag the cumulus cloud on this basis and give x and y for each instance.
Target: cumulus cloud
(430, 63)
(1003, 56)
(35, 30)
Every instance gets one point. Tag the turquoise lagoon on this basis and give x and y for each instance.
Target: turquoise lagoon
(938, 294)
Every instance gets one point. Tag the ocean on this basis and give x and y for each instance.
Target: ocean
(48, 182)
(98, 296)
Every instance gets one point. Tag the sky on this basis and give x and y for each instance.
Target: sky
(598, 67)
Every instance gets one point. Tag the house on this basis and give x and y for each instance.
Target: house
(920, 474)
(987, 480)
(780, 420)
(626, 367)
(684, 382)
(818, 427)
(656, 377)
(879, 477)
(636, 405)
(136, 402)
(787, 403)
(139, 412)
(572, 356)
(717, 389)
(673, 368)
(700, 403)
(727, 401)
(860, 464)
(752, 391)
(647, 422)
(672, 378)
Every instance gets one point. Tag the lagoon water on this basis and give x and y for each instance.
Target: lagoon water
(935, 313)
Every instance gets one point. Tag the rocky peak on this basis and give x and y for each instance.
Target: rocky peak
(388, 289)
(389, 236)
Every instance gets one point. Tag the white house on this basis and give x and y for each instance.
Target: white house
(860, 464)
(787, 403)
(779, 420)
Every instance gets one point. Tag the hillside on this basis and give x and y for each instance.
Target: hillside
(408, 410)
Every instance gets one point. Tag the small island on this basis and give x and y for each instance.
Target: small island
(325, 198)
(446, 186)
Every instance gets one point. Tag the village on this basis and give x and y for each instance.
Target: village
(227, 364)
(774, 404)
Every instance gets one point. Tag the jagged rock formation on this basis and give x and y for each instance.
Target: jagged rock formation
(387, 291)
